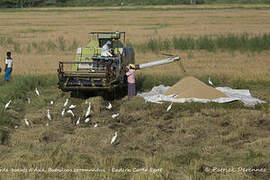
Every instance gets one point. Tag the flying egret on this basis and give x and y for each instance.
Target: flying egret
(63, 112)
(70, 111)
(26, 122)
(28, 100)
(210, 82)
(169, 107)
(65, 104)
(115, 115)
(51, 102)
(72, 106)
(88, 110)
(37, 92)
(78, 121)
(6, 106)
(95, 125)
(49, 115)
(114, 137)
(109, 106)
(87, 120)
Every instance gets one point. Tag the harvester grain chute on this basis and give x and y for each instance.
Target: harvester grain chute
(92, 71)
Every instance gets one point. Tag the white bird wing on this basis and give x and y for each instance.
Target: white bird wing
(72, 106)
(63, 112)
(109, 106)
(210, 82)
(6, 106)
(65, 104)
(78, 121)
(169, 107)
(26, 122)
(69, 111)
(87, 120)
(115, 115)
(49, 115)
(88, 110)
(114, 138)
(37, 92)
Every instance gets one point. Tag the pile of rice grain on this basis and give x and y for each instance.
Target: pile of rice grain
(190, 87)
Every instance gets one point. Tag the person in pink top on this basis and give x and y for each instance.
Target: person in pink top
(131, 80)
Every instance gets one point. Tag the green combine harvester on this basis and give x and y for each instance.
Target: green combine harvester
(101, 65)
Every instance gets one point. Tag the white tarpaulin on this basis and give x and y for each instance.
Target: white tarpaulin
(243, 95)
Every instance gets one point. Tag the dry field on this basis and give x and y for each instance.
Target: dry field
(186, 143)
(44, 24)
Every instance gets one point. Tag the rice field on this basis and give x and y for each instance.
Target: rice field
(192, 141)
(40, 37)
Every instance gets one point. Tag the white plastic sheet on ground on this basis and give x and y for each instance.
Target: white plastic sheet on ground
(243, 95)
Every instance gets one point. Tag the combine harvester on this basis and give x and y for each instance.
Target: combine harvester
(91, 71)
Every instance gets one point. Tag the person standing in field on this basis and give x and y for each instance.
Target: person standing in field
(131, 80)
(8, 67)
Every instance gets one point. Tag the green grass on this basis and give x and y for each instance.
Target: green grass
(41, 47)
(225, 42)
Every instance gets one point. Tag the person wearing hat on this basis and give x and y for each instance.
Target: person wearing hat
(106, 51)
(8, 66)
(131, 80)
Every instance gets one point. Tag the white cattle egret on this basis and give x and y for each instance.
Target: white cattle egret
(6, 106)
(47, 124)
(37, 92)
(210, 82)
(95, 125)
(26, 122)
(115, 115)
(49, 115)
(114, 137)
(88, 110)
(109, 106)
(51, 102)
(72, 106)
(65, 104)
(16, 127)
(63, 112)
(169, 107)
(28, 100)
(70, 111)
(87, 120)
(78, 121)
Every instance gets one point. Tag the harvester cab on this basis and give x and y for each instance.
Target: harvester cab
(92, 69)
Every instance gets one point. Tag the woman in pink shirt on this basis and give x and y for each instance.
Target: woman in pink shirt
(131, 80)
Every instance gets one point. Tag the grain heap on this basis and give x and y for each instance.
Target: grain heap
(190, 87)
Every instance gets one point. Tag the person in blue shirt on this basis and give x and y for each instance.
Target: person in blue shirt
(8, 66)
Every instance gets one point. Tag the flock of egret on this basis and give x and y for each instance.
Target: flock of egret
(49, 117)
(87, 114)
